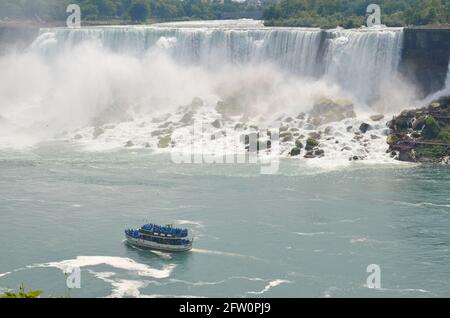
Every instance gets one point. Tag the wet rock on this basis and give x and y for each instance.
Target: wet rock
(365, 128)
(165, 125)
(159, 120)
(129, 144)
(310, 155)
(295, 152)
(309, 127)
(188, 118)
(374, 137)
(311, 143)
(78, 137)
(230, 107)
(446, 160)
(164, 142)
(301, 116)
(329, 130)
(299, 144)
(377, 117)
(407, 155)
(346, 148)
(239, 126)
(327, 111)
(157, 133)
(286, 137)
(319, 153)
(289, 120)
(216, 124)
(314, 135)
(283, 129)
(147, 145)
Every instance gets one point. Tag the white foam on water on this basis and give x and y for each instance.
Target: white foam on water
(116, 262)
(162, 254)
(269, 286)
(187, 222)
(219, 253)
(5, 274)
(314, 233)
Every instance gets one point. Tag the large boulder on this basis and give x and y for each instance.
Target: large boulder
(216, 124)
(311, 143)
(327, 111)
(230, 107)
(377, 117)
(298, 143)
(164, 142)
(295, 152)
(365, 128)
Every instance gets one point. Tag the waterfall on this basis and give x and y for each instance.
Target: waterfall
(356, 60)
(447, 81)
(74, 78)
(360, 60)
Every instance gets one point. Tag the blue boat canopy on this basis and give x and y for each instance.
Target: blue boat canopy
(167, 230)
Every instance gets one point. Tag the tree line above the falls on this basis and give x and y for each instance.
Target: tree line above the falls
(352, 13)
(305, 13)
(129, 10)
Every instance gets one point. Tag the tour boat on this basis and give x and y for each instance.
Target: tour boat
(163, 238)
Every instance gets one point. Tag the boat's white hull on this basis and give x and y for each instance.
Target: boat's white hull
(155, 246)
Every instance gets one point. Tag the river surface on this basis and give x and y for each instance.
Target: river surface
(303, 232)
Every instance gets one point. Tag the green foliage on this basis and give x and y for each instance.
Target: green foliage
(434, 152)
(392, 140)
(402, 124)
(444, 135)
(136, 10)
(352, 13)
(431, 129)
(139, 11)
(22, 293)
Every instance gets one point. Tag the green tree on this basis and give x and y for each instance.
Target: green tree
(139, 11)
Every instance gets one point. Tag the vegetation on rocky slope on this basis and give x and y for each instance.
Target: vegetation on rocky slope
(422, 135)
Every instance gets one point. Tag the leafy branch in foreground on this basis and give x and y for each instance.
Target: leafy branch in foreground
(22, 293)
